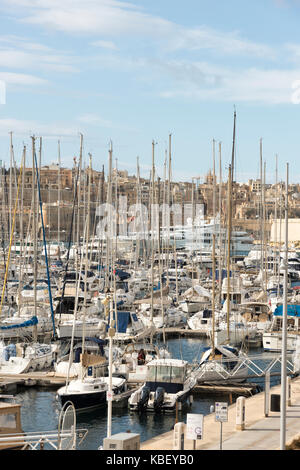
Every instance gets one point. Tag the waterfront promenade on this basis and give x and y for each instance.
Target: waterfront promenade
(260, 433)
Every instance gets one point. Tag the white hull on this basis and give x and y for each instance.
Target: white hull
(91, 328)
(191, 307)
(214, 372)
(273, 341)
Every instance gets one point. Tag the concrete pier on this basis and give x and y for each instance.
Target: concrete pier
(261, 433)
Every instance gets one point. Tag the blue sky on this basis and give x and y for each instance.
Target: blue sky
(136, 71)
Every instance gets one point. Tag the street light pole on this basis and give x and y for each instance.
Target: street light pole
(284, 329)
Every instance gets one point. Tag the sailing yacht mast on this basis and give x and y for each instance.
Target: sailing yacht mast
(261, 219)
(233, 147)
(138, 202)
(229, 215)
(152, 231)
(109, 202)
(59, 196)
(21, 231)
(34, 216)
(264, 233)
(79, 201)
(220, 222)
(169, 203)
(10, 181)
(213, 253)
(87, 252)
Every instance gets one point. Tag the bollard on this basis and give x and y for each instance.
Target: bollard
(178, 436)
(267, 393)
(240, 413)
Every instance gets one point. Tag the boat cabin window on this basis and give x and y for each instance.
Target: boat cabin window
(8, 420)
(166, 373)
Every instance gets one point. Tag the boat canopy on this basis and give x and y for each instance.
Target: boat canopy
(292, 310)
(33, 321)
(123, 320)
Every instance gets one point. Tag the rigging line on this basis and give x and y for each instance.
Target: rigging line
(11, 237)
(45, 246)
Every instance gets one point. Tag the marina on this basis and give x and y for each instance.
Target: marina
(103, 338)
(149, 227)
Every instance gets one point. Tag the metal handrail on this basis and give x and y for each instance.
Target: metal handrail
(40, 438)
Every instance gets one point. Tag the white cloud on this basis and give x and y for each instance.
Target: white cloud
(27, 128)
(112, 18)
(94, 120)
(209, 82)
(11, 78)
(21, 53)
(104, 45)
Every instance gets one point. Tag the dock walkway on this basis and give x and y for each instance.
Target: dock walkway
(261, 433)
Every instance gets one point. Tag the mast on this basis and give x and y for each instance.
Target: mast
(229, 215)
(275, 215)
(87, 251)
(79, 200)
(213, 253)
(59, 196)
(233, 147)
(21, 230)
(10, 181)
(279, 248)
(169, 203)
(109, 201)
(34, 215)
(264, 234)
(152, 231)
(261, 219)
(220, 222)
(138, 202)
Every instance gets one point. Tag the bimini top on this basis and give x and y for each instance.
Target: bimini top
(292, 310)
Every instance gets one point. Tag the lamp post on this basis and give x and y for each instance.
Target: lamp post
(109, 396)
(284, 329)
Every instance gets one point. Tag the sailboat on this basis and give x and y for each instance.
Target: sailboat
(24, 357)
(222, 364)
(87, 391)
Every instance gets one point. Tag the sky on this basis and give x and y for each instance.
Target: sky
(133, 72)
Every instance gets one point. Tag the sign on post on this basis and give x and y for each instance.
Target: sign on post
(194, 426)
(221, 412)
(221, 416)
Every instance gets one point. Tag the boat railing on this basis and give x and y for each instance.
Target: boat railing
(38, 440)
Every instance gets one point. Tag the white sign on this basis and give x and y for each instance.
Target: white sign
(194, 426)
(221, 412)
(109, 396)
